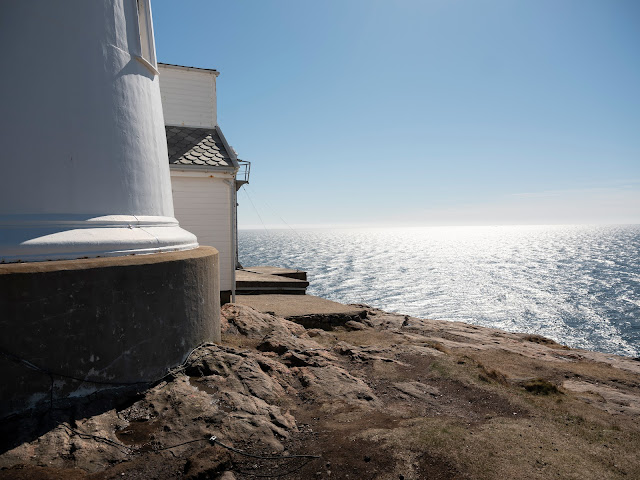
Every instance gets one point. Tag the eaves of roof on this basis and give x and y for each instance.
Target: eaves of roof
(183, 67)
(203, 168)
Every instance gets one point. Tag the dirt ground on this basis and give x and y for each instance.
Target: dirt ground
(386, 397)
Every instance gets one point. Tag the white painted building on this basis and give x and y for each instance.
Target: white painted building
(203, 166)
(83, 155)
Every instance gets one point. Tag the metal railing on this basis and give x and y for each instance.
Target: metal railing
(243, 172)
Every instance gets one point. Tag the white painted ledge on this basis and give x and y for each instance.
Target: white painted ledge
(34, 238)
(147, 64)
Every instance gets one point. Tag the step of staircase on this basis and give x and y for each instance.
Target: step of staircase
(253, 283)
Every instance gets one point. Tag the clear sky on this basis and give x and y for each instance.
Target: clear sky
(422, 112)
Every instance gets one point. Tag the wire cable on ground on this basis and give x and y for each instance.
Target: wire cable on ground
(97, 438)
(213, 440)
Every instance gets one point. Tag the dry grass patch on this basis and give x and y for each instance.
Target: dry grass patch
(511, 448)
(539, 386)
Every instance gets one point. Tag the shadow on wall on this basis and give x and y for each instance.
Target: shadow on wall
(73, 331)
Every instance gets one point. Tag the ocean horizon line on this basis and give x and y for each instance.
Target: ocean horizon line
(414, 226)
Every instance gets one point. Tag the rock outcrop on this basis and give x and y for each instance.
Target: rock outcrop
(387, 396)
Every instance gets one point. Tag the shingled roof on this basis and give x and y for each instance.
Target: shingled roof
(197, 147)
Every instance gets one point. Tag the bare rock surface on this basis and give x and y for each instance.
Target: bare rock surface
(384, 397)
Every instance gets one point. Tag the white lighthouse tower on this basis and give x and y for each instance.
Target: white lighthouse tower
(84, 156)
(99, 286)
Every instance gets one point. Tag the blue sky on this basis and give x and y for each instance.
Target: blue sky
(430, 112)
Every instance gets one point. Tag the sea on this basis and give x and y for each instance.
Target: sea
(579, 285)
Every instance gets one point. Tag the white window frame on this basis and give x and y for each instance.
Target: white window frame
(147, 46)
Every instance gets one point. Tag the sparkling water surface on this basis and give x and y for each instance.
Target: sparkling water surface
(579, 285)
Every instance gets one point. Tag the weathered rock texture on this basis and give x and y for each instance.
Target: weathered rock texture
(386, 397)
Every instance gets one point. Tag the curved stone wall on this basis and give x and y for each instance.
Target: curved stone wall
(108, 321)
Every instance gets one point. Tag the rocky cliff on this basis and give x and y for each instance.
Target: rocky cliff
(386, 397)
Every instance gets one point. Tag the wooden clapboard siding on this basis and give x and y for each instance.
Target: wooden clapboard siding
(188, 96)
(202, 206)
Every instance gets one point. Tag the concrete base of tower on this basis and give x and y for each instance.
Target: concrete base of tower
(74, 327)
